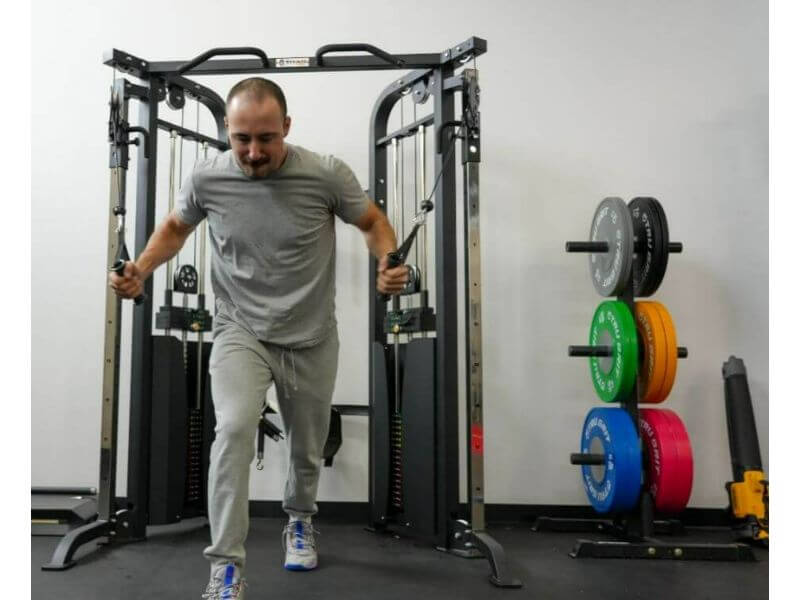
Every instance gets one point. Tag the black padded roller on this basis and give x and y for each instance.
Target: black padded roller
(742, 434)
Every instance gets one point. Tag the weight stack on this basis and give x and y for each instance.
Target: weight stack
(419, 455)
(396, 454)
(403, 489)
(386, 450)
(181, 435)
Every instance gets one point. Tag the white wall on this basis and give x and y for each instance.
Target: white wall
(580, 100)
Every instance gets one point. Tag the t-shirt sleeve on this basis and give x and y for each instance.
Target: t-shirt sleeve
(349, 200)
(187, 205)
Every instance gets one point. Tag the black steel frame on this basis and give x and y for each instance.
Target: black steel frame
(451, 531)
(167, 80)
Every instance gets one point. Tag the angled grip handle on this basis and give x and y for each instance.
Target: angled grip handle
(358, 47)
(224, 52)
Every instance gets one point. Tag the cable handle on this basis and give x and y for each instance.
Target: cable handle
(442, 128)
(145, 135)
(369, 48)
(393, 259)
(224, 52)
(398, 257)
(119, 268)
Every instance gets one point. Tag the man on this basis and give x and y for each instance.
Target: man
(270, 208)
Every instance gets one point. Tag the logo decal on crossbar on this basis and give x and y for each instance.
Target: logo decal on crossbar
(292, 62)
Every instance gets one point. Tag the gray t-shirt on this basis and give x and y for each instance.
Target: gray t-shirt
(273, 240)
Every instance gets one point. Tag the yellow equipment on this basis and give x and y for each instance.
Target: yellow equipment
(749, 490)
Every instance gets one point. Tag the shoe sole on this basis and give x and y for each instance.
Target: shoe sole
(294, 567)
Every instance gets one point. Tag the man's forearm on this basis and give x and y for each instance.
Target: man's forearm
(165, 243)
(381, 239)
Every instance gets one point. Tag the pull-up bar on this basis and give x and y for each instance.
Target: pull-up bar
(375, 59)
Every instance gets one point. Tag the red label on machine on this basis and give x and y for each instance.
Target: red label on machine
(477, 439)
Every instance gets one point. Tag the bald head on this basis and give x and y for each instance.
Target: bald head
(258, 89)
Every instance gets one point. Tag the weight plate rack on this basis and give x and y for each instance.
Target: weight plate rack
(634, 461)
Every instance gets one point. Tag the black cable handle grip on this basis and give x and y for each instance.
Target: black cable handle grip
(442, 128)
(398, 257)
(145, 135)
(224, 52)
(119, 268)
(355, 48)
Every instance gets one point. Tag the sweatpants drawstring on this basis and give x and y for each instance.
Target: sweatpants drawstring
(294, 372)
(292, 383)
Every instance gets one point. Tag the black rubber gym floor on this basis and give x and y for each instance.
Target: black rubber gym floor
(356, 564)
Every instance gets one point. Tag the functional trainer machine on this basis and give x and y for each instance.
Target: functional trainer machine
(413, 384)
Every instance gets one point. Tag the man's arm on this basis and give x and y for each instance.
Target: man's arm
(166, 241)
(377, 232)
(381, 241)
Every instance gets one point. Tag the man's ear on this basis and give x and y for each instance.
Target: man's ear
(225, 119)
(287, 124)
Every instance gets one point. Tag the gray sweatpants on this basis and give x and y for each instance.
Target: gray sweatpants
(242, 369)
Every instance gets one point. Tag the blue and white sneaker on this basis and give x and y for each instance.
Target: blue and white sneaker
(226, 584)
(299, 544)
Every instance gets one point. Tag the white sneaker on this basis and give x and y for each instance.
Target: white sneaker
(300, 546)
(226, 584)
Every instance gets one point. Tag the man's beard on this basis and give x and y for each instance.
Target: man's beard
(256, 169)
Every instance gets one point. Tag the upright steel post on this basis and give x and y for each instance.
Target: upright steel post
(201, 299)
(168, 285)
(378, 168)
(142, 344)
(422, 239)
(446, 315)
(110, 402)
(470, 158)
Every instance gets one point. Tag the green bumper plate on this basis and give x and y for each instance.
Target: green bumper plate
(614, 376)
